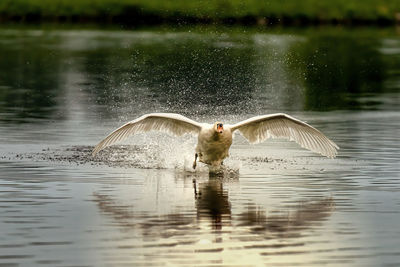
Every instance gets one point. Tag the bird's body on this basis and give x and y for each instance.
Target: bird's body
(213, 147)
(215, 140)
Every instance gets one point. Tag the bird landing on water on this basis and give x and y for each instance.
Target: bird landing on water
(214, 140)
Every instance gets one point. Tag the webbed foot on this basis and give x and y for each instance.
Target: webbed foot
(195, 161)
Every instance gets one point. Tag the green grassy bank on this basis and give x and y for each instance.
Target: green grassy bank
(205, 11)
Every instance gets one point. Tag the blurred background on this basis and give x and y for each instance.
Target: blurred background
(133, 12)
(72, 71)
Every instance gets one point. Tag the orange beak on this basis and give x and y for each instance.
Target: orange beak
(220, 128)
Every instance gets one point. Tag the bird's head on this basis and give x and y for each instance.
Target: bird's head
(219, 127)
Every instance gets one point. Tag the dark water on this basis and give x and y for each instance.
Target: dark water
(139, 204)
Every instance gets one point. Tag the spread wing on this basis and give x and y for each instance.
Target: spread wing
(171, 123)
(281, 125)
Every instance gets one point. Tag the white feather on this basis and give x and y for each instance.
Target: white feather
(212, 146)
(174, 124)
(280, 125)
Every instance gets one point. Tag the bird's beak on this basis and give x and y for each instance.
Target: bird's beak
(220, 128)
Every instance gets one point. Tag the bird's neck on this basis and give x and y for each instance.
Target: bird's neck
(217, 135)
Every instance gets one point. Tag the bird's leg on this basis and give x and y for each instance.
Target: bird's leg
(195, 159)
(195, 188)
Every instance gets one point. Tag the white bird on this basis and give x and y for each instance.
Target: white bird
(214, 140)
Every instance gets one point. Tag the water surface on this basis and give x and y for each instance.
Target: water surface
(140, 204)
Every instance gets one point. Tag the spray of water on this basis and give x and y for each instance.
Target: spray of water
(167, 152)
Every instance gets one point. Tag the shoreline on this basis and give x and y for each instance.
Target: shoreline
(214, 12)
(154, 20)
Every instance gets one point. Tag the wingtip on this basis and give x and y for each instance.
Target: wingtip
(333, 155)
(95, 151)
(335, 145)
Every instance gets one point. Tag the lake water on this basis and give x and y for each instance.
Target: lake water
(140, 204)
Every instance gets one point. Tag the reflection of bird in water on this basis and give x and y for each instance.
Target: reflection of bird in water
(212, 202)
(215, 140)
(306, 215)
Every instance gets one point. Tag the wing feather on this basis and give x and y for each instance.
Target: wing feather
(171, 123)
(260, 128)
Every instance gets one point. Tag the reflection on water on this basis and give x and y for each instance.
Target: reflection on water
(166, 71)
(26, 91)
(214, 213)
(305, 215)
(345, 69)
(141, 204)
(212, 203)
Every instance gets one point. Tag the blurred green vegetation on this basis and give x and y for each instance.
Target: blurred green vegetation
(338, 70)
(26, 90)
(250, 11)
(201, 72)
